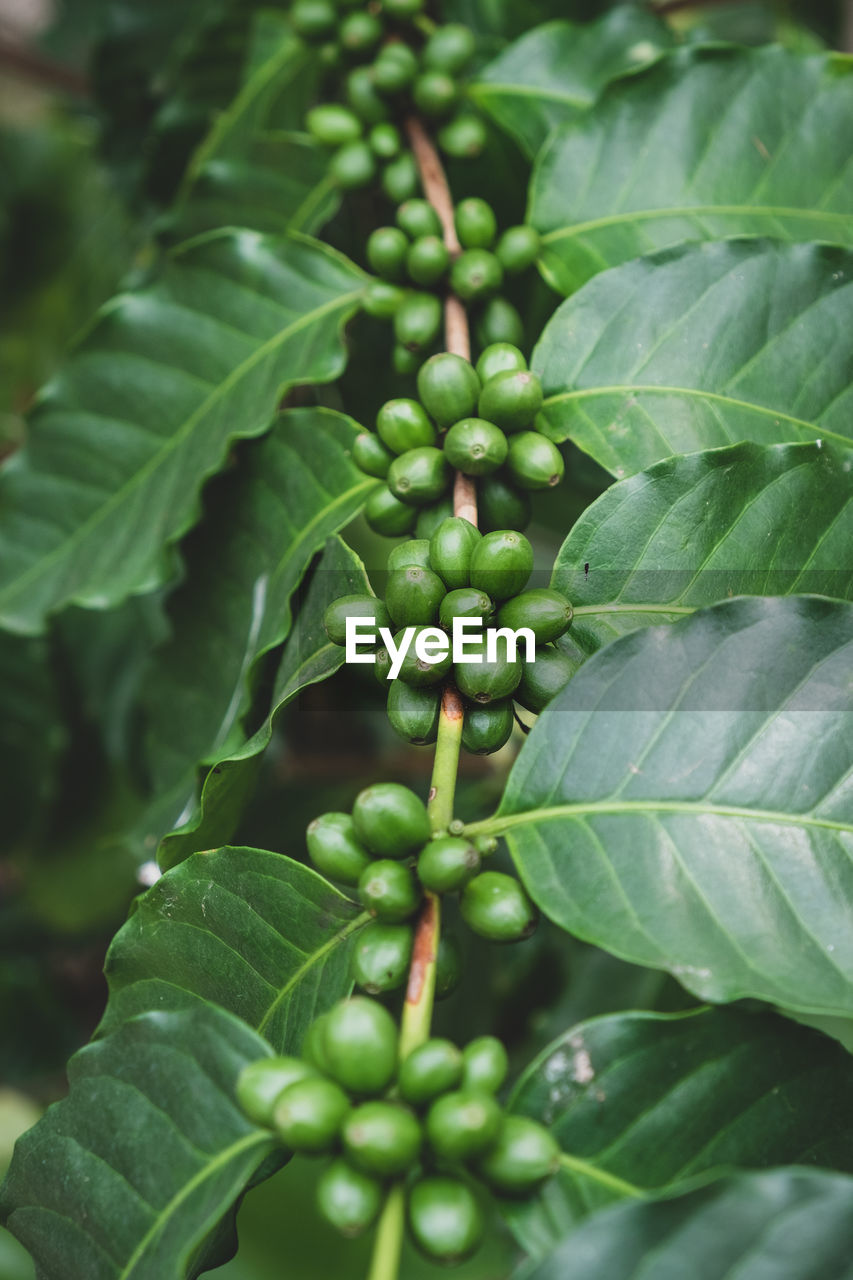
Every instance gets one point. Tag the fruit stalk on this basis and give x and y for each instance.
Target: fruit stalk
(388, 1244)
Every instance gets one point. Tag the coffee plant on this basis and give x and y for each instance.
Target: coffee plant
(548, 311)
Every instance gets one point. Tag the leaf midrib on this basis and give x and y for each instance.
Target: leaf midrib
(309, 963)
(678, 211)
(61, 552)
(500, 823)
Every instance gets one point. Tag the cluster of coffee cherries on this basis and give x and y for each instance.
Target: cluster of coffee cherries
(478, 420)
(395, 70)
(385, 847)
(412, 256)
(432, 1121)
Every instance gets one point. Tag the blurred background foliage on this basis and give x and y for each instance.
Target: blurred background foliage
(101, 105)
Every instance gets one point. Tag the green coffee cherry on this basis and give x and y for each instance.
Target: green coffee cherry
(427, 260)
(417, 322)
(260, 1084)
(486, 845)
(360, 1045)
(543, 679)
(400, 179)
(418, 218)
(448, 388)
(382, 956)
(448, 966)
(534, 461)
(487, 729)
(475, 274)
(309, 1113)
(500, 357)
(348, 1199)
(417, 672)
(518, 249)
(495, 906)
(501, 563)
(511, 399)
(391, 820)
(402, 10)
(354, 606)
(463, 137)
(386, 252)
(414, 551)
(370, 455)
(382, 667)
(313, 19)
(499, 321)
(450, 549)
(382, 299)
(383, 1138)
(501, 506)
(523, 1156)
(329, 55)
(335, 849)
(435, 94)
(461, 1124)
(405, 362)
(446, 864)
(360, 32)
(486, 680)
(413, 594)
(431, 517)
(385, 141)
(353, 165)
(387, 514)
(429, 1071)
(403, 425)
(333, 125)
(475, 447)
(450, 48)
(389, 891)
(465, 602)
(364, 100)
(445, 1219)
(413, 713)
(476, 224)
(547, 613)
(313, 1046)
(419, 476)
(395, 68)
(486, 1064)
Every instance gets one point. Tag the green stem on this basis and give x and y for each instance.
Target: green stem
(609, 1180)
(446, 764)
(385, 1263)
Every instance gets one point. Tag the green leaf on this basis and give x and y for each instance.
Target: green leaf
(264, 523)
(702, 146)
(702, 346)
(308, 658)
(32, 735)
(252, 932)
(692, 530)
(252, 169)
(654, 1100)
(122, 440)
(685, 802)
(129, 1174)
(557, 71)
(791, 1224)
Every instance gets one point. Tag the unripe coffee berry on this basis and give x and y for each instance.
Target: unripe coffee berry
(518, 248)
(487, 728)
(417, 321)
(500, 357)
(501, 563)
(499, 321)
(382, 956)
(360, 32)
(450, 48)
(475, 447)
(445, 1219)
(462, 1124)
(370, 455)
(476, 224)
(450, 550)
(418, 218)
(354, 606)
(353, 165)
(391, 820)
(365, 101)
(501, 505)
(465, 602)
(348, 1198)
(547, 613)
(446, 864)
(383, 1138)
(448, 966)
(475, 274)
(414, 712)
(413, 594)
(386, 252)
(309, 1113)
(485, 1064)
(448, 388)
(419, 476)
(400, 180)
(403, 424)
(387, 514)
(487, 679)
(335, 849)
(260, 1084)
(385, 141)
(424, 672)
(522, 1157)
(359, 1043)
(543, 679)
(427, 260)
(395, 68)
(511, 399)
(431, 517)
(413, 551)
(534, 461)
(435, 94)
(313, 19)
(429, 1071)
(463, 137)
(496, 906)
(382, 299)
(333, 125)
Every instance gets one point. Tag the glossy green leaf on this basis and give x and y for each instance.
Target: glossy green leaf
(127, 1176)
(253, 169)
(652, 1100)
(263, 524)
(307, 659)
(748, 520)
(557, 71)
(702, 346)
(791, 1224)
(701, 146)
(250, 931)
(123, 438)
(685, 802)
